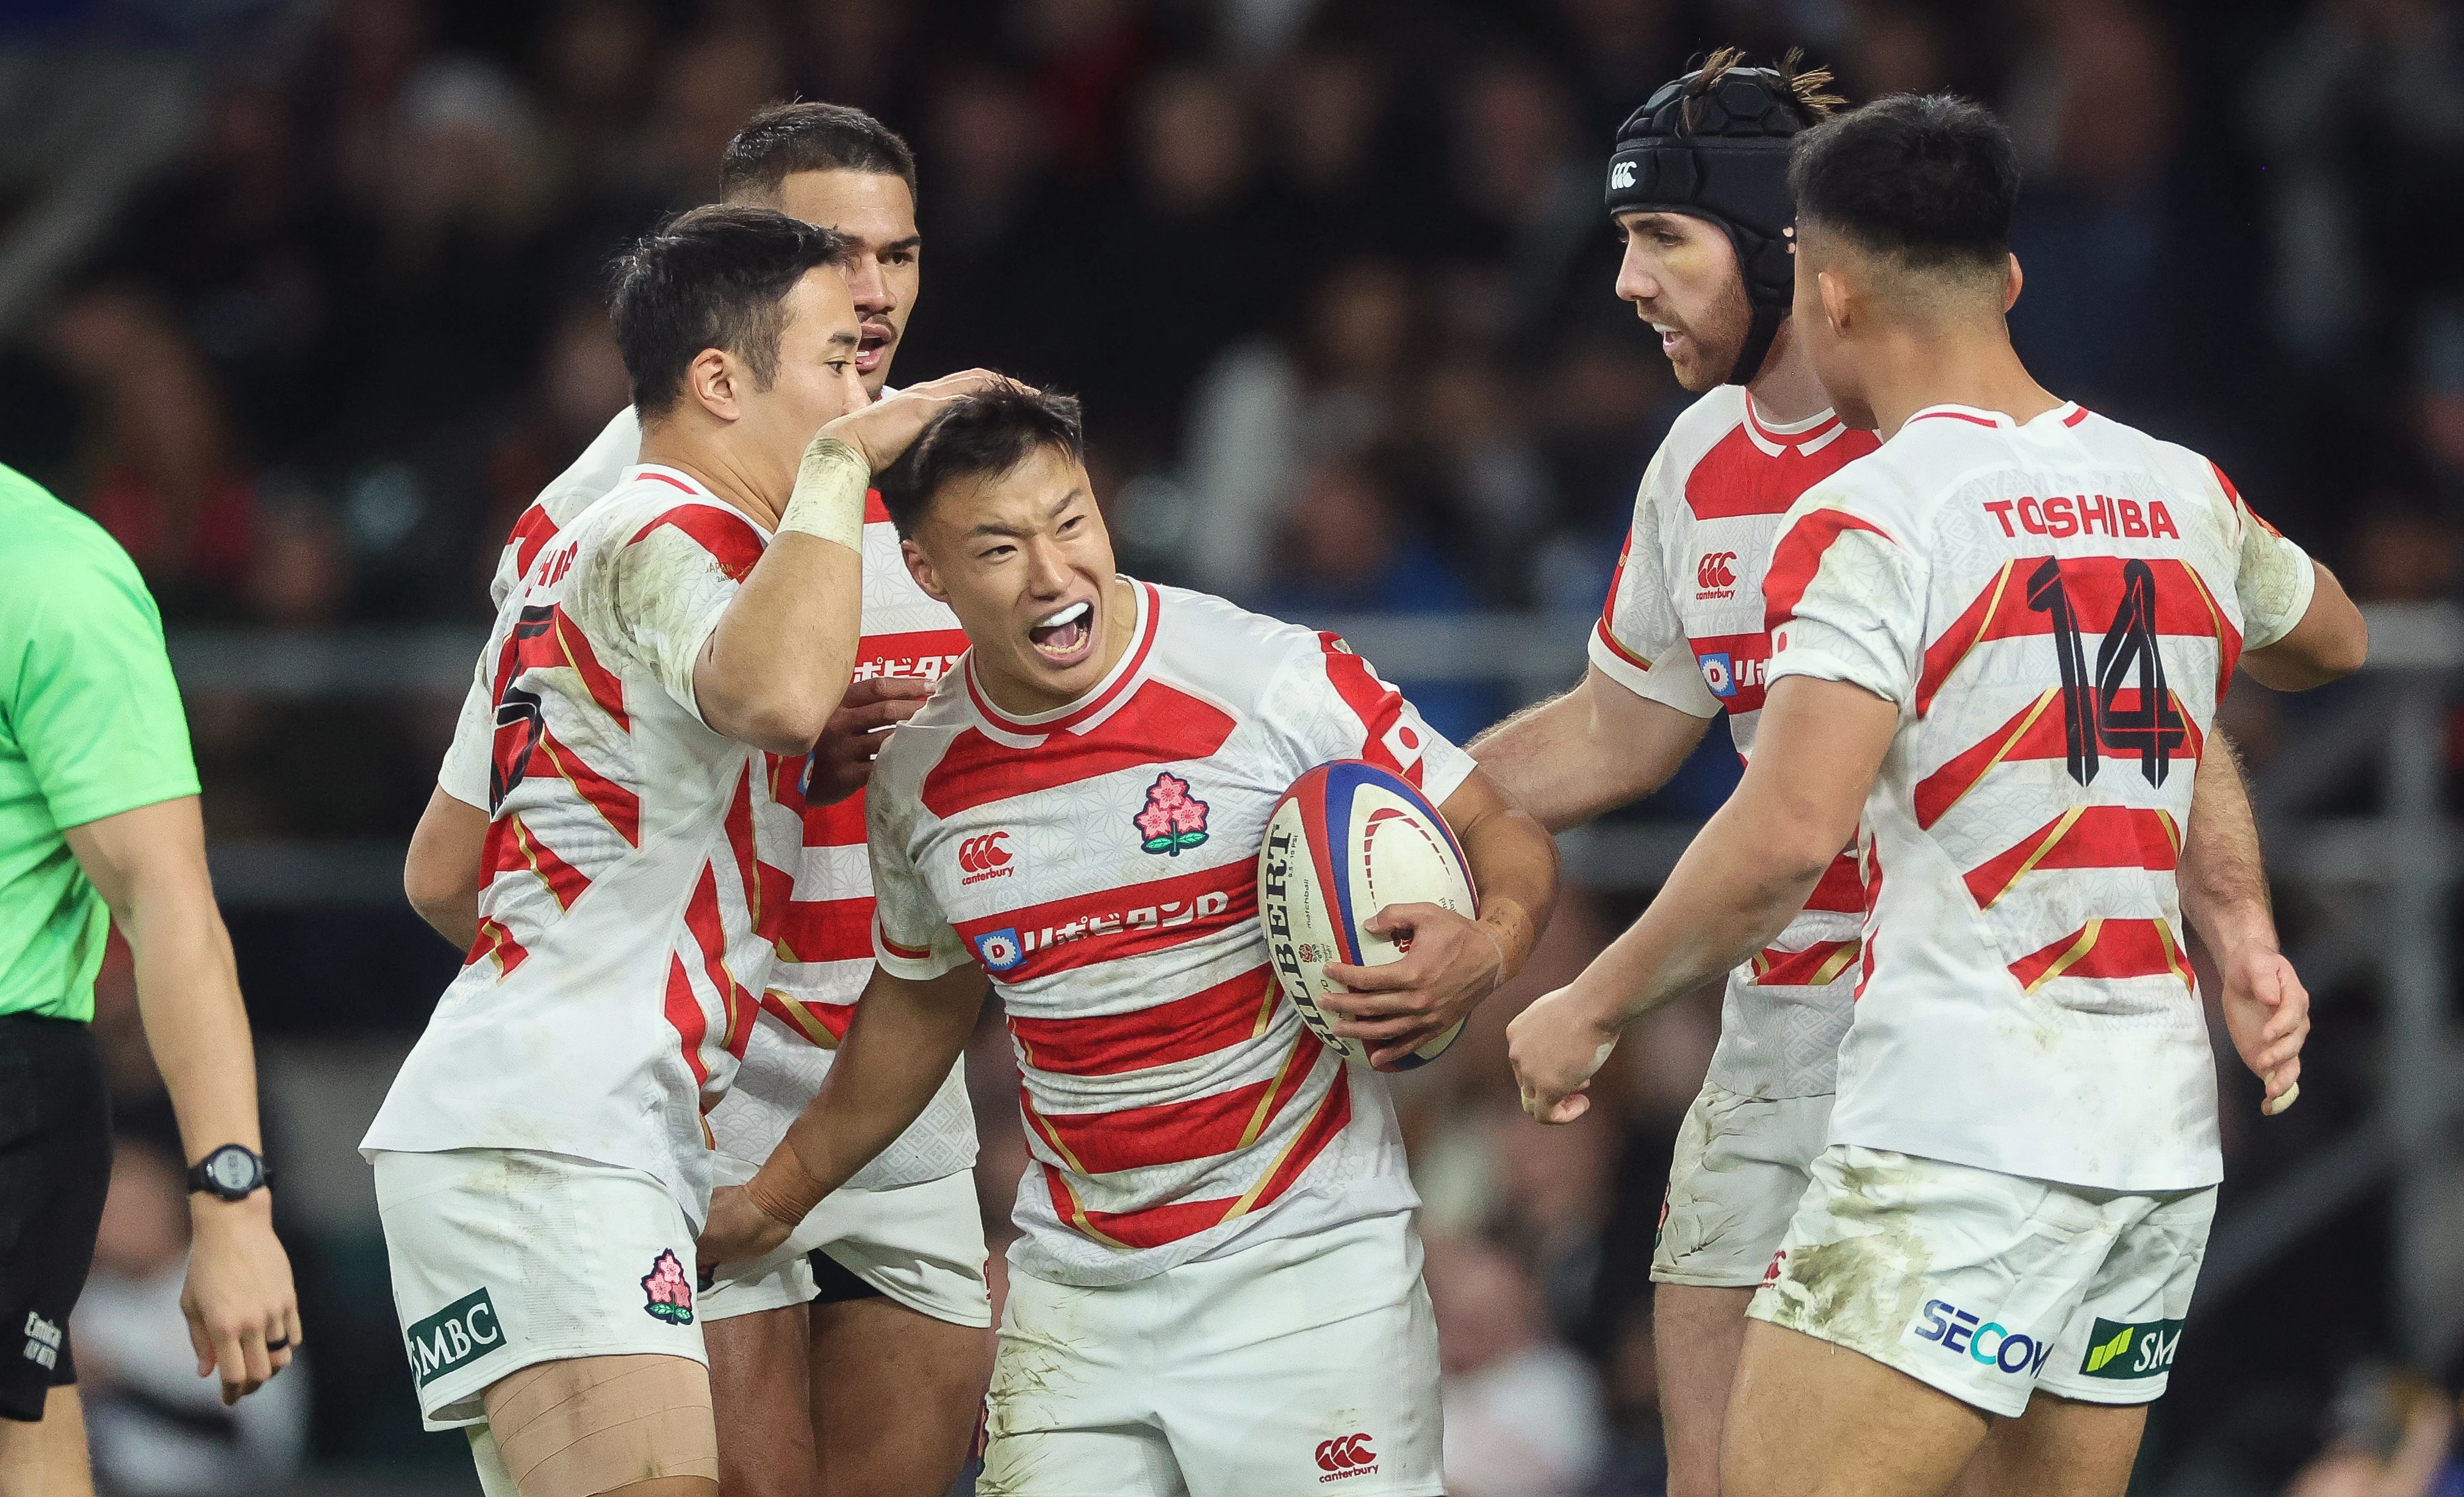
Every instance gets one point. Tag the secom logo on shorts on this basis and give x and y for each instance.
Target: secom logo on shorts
(461, 1332)
(2142, 1348)
(1956, 1330)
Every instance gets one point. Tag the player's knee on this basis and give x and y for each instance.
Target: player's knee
(593, 1426)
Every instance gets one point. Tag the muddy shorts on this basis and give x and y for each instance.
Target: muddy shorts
(1740, 1167)
(1302, 1363)
(503, 1258)
(1989, 1286)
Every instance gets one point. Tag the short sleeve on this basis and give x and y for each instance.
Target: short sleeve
(1329, 704)
(92, 704)
(912, 939)
(2273, 578)
(1639, 642)
(672, 579)
(464, 774)
(1844, 602)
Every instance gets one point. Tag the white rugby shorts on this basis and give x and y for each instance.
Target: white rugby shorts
(1740, 1166)
(921, 1245)
(1302, 1363)
(1991, 1286)
(503, 1258)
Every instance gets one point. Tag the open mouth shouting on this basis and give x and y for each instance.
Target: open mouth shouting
(872, 345)
(1067, 637)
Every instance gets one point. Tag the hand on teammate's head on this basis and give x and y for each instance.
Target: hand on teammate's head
(887, 428)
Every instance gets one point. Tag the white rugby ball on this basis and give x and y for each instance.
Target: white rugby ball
(1346, 840)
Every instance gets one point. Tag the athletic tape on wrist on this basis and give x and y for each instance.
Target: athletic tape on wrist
(828, 499)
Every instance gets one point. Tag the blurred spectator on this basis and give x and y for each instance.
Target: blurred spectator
(2095, 110)
(1349, 544)
(162, 476)
(1637, 1465)
(2390, 1434)
(2403, 552)
(1522, 1412)
(154, 1424)
(1193, 256)
(2361, 112)
(1266, 408)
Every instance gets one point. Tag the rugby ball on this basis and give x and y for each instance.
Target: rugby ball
(1346, 840)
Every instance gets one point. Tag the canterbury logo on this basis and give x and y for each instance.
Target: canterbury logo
(984, 856)
(1346, 1453)
(1621, 175)
(1716, 570)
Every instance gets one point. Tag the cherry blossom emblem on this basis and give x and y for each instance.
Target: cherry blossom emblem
(1173, 818)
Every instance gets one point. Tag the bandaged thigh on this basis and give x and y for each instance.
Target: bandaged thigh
(592, 1425)
(495, 1481)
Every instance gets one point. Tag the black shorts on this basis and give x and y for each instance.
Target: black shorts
(55, 1168)
(834, 1282)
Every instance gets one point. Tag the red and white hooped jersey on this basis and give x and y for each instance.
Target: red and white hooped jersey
(625, 920)
(824, 941)
(2055, 607)
(1100, 863)
(1684, 626)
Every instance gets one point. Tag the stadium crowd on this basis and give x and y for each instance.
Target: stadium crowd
(1333, 281)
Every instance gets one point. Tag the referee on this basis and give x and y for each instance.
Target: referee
(99, 822)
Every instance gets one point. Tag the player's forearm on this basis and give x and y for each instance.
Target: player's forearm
(2223, 875)
(783, 653)
(1736, 888)
(2332, 641)
(1514, 863)
(1578, 756)
(898, 1047)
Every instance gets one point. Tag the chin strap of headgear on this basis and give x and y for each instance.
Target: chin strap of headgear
(1721, 154)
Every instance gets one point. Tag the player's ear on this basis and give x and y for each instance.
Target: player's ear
(713, 380)
(921, 567)
(2010, 285)
(1835, 299)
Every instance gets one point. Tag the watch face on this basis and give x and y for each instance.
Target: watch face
(231, 1168)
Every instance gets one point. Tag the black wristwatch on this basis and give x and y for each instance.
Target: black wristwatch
(231, 1172)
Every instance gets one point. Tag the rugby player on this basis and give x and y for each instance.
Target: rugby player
(1218, 1291)
(2022, 1158)
(542, 1162)
(851, 1361)
(1696, 188)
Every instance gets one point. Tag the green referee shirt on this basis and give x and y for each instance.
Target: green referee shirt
(90, 726)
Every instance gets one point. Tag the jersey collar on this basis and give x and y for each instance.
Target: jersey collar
(1099, 700)
(2068, 413)
(1810, 436)
(673, 477)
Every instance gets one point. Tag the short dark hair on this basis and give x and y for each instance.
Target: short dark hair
(1928, 180)
(990, 431)
(784, 139)
(712, 278)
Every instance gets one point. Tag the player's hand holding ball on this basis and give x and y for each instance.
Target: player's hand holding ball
(1557, 1045)
(1450, 963)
